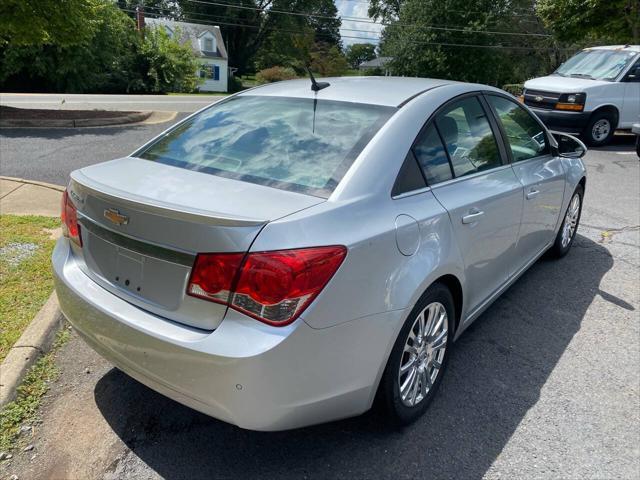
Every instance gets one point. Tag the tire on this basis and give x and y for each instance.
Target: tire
(638, 145)
(600, 129)
(562, 244)
(401, 412)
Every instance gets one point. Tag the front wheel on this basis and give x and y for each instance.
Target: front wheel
(569, 227)
(600, 129)
(419, 356)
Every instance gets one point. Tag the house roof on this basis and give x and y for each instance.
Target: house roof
(375, 63)
(192, 32)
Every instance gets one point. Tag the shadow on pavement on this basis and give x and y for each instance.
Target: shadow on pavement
(497, 370)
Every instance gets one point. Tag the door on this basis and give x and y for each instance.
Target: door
(465, 167)
(540, 173)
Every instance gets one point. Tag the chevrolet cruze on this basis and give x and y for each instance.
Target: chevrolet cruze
(293, 252)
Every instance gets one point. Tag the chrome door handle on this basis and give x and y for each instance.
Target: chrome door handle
(472, 216)
(533, 193)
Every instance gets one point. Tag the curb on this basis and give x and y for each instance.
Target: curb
(80, 122)
(34, 341)
(52, 186)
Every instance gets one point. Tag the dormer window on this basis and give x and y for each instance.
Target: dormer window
(208, 42)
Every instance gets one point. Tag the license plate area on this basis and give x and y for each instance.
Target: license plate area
(145, 272)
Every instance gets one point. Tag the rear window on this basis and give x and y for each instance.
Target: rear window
(274, 141)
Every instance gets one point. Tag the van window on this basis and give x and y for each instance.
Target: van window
(597, 64)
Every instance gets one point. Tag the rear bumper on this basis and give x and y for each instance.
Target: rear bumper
(569, 122)
(249, 374)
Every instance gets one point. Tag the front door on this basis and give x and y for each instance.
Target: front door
(540, 173)
(482, 195)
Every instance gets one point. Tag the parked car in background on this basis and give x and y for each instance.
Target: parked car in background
(286, 256)
(636, 130)
(592, 94)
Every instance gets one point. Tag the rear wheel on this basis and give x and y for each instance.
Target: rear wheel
(419, 356)
(600, 129)
(569, 227)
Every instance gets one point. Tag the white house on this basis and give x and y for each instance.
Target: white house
(207, 43)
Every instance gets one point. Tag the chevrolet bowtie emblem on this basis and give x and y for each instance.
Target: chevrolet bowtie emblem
(539, 98)
(115, 216)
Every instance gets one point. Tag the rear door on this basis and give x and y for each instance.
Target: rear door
(471, 179)
(540, 173)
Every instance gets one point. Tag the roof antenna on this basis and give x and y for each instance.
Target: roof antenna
(316, 86)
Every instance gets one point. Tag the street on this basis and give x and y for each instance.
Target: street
(544, 384)
(70, 101)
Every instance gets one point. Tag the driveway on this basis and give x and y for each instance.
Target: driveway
(545, 384)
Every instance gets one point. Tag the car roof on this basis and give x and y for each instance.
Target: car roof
(387, 91)
(628, 48)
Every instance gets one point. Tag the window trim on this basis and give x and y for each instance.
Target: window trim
(503, 133)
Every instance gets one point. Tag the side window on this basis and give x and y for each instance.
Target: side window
(524, 134)
(468, 137)
(431, 156)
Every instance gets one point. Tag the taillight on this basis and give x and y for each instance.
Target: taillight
(69, 217)
(273, 287)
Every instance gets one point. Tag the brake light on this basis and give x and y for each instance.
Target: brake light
(273, 287)
(69, 217)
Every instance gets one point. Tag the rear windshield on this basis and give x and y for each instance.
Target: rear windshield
(293, 144)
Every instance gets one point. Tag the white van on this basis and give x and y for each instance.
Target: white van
(592, 94)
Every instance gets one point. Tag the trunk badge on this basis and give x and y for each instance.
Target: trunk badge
(115, 216)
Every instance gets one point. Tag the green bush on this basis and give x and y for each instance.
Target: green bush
(514, 88)
(275, 74)
(234, 84)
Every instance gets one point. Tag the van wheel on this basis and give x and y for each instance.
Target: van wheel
(600, 129)
(419, 356)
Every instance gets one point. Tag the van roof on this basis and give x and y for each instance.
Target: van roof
(628, 48)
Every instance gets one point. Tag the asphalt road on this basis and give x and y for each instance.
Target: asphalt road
(70, 101)
(545, 384)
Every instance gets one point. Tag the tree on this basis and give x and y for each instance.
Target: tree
(360, 52)
(47, 22)
(610, 21)
(455, 41)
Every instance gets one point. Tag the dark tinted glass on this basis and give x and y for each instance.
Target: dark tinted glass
(525, 136)
(468, 137)
(287, 143)
(432, 158)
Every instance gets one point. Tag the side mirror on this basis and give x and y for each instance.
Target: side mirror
(568, 146)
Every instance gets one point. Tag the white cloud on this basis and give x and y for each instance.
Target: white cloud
(367, 32)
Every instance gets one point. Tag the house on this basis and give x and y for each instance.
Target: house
(379, 63)
(207, 43)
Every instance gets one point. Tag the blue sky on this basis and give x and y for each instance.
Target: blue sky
(357, 8)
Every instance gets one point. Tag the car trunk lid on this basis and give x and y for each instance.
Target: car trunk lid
(142, 224)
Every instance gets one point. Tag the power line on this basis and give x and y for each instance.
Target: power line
(415, 42)
(362, 20)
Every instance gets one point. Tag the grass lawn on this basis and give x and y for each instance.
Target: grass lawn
(25, 273)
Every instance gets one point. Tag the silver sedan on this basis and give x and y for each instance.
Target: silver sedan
(290, 254)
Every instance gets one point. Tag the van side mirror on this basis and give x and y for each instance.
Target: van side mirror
(568, 146)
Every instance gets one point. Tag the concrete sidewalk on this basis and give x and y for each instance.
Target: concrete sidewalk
(26, 197)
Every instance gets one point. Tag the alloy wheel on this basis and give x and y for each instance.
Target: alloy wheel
(571, 220)
(423, 354)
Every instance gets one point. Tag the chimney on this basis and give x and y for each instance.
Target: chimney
(140, 18)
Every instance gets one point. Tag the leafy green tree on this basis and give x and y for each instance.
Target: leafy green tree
(166, 64)
(327, 60)
(47, 22)
(360, 52)
(611, 21)
(456, 40)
